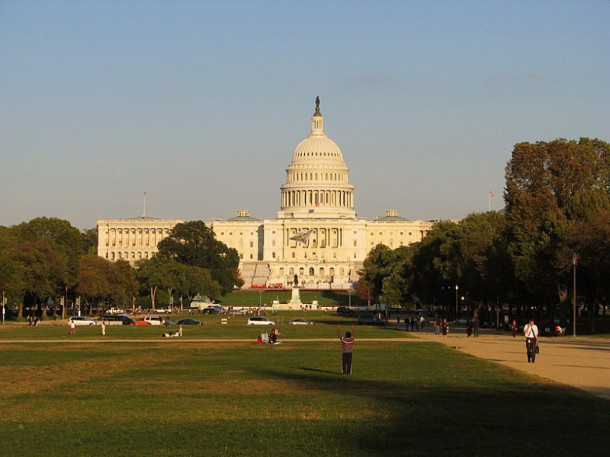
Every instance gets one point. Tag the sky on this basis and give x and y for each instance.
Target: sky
(200, 104)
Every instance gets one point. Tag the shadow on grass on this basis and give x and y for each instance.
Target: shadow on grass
(476, 418)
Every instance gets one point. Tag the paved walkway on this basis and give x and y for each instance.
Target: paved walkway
(580, 362)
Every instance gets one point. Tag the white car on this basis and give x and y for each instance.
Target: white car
(260, 320)
(82, 320)
(300, 321)
(154, 320)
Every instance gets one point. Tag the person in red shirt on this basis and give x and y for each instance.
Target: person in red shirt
(347, 350)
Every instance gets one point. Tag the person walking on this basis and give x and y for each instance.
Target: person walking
(347, 350)
(514, 328)
(103, 328)
(72, 327)
(468, 328)
(444, 327)
(531, 340)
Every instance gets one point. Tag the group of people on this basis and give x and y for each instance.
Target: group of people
(415, 323)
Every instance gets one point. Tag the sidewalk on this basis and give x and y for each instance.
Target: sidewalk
(580, 362)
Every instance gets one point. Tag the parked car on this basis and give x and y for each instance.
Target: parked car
(154, 320)
(344, 310)
(368, 319)
(118, 320)
(162, 310)
(259, 320)
(461, 321)
(214, 309)
(300, 321)
(82, 320)
(189, 322)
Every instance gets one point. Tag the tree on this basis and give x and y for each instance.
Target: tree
(94, 281)
(156, 272)
(551, 188)
(194, 244)
(61, 236)
(376, 267)
(123, 282)
(89, 241)
(43, 271)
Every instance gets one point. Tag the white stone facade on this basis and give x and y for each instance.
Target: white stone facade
(316, 239)
(131, 239)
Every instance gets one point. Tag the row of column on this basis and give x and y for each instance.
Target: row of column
(319, 238)
(341, 198)
(141, 237)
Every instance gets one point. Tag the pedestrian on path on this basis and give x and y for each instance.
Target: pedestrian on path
(531, 340)
(468, 328)
(445, 327)
(514, 327)
(347, 350)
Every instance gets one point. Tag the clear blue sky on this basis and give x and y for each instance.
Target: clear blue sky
(201, 103)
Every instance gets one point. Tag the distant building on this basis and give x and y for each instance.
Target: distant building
(131, 239)
(317, 240)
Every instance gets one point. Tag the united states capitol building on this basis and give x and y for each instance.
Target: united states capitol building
(317, 240)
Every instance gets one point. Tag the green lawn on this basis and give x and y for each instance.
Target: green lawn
(187, 398)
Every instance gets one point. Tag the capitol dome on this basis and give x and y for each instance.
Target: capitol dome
(317, 177)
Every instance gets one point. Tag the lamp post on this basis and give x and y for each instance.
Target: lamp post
(574, 263)
(456, 300)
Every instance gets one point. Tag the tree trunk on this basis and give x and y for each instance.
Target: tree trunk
(153, 291)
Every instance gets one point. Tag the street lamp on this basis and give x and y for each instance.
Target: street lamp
(456, 300)
(574, 263)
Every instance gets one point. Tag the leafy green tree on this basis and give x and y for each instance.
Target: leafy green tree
(196, 280)
(123, 283)
(89, 241)
(94, 281)
(43, 270)
(154, 273)
(62, 237)
(376, 267)
(192, 243)
(551, 189)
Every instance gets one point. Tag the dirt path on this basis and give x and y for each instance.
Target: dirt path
(580, 362)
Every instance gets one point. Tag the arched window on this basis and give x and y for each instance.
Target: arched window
(311, 271)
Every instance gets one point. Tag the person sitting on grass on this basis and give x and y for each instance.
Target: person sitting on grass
(273, 336)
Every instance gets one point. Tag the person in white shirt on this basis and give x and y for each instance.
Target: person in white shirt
(531, 340)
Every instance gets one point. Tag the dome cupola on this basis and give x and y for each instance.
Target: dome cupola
(317, 178)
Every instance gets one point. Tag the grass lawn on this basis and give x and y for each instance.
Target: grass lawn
(193, 398)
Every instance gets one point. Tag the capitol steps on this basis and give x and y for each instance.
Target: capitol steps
(254, 274)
